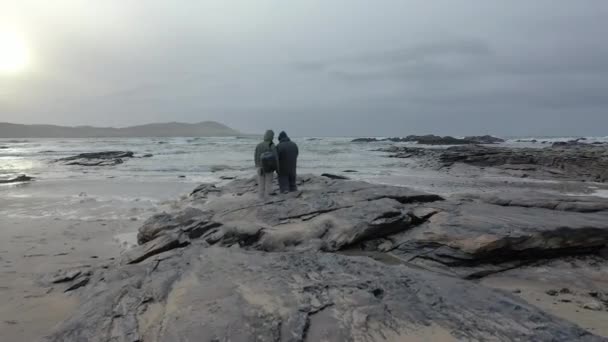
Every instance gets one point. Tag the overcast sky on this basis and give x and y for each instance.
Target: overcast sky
(315, 67)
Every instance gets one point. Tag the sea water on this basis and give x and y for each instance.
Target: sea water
(141, 186)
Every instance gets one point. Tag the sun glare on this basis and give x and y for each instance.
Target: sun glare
(14, 54)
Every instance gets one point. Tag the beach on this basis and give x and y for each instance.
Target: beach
(87, 217)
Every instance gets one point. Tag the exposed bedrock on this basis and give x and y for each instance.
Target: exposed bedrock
(230, 267)
(107, 158)
(578, 162)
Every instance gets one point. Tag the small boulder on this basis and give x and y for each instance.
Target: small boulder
(594, 306)
(332, 176)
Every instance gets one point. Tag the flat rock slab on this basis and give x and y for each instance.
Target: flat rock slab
(218, 294)
(19, 179)
(231, 267)
(470, 236)
(326, 215)
(107, 158)
(581, 162)
(474, 239)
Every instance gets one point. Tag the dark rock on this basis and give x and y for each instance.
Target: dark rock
(218, 294)
(147, 155)
(485, 139)
(19, 179)
(552, 292)
(159, 223)
(396, 139)
(530, 199)
(565, 290)
(330, 176)
(474, 240)
(581, 162)
(65, 276)
(350, 171)
(109, 158)
(163, 243)
(227, 177)
(203, 190)
(364, 140)
(78, 284)
(181, 176)
(438, 140)
(435, 140)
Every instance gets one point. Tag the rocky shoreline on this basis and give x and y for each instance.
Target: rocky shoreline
(569, 161)
(344, 260)
(431, 139)
(106, 158)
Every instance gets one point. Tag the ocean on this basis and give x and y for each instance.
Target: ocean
(140, 186)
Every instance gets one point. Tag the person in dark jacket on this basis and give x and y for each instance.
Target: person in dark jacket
(265, 176)
(288, 157)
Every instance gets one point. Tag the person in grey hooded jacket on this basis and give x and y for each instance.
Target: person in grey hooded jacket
(288, 157)
(265, 178)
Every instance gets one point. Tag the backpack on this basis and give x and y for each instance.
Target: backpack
(269, 162)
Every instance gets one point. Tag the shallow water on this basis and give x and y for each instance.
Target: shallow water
(141, 186)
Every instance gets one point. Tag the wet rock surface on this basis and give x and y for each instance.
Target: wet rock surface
(485, 139)
(436, 140)
(219, 294)
(108, 158)
(573, 162)
(19, 179)
(231, 267)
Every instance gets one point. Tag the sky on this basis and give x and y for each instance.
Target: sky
(313, 67)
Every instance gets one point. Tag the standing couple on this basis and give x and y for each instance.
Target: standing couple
(281, 158)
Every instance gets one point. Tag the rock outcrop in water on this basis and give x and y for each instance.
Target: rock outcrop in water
(108, 158)
(19, 179)
(231, 268)
(436, 140)
(575, 162)
(485, 139)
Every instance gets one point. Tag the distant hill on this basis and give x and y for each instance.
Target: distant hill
(171, 129)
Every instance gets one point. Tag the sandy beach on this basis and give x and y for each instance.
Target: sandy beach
(41, 235)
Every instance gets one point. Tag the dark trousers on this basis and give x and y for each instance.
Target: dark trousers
(287, 182)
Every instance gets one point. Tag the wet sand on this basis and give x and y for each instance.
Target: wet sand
(31, 249)
(568, 306)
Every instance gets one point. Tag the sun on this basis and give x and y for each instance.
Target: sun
(14, 53)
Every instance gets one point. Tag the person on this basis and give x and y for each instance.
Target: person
(266, 163)
(288, 157)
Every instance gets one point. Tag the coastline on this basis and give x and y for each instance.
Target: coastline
(38, 241)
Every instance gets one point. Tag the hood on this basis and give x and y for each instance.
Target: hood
(269, 135)
(283, 137)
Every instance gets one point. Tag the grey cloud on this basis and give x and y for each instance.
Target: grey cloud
(335, 67)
